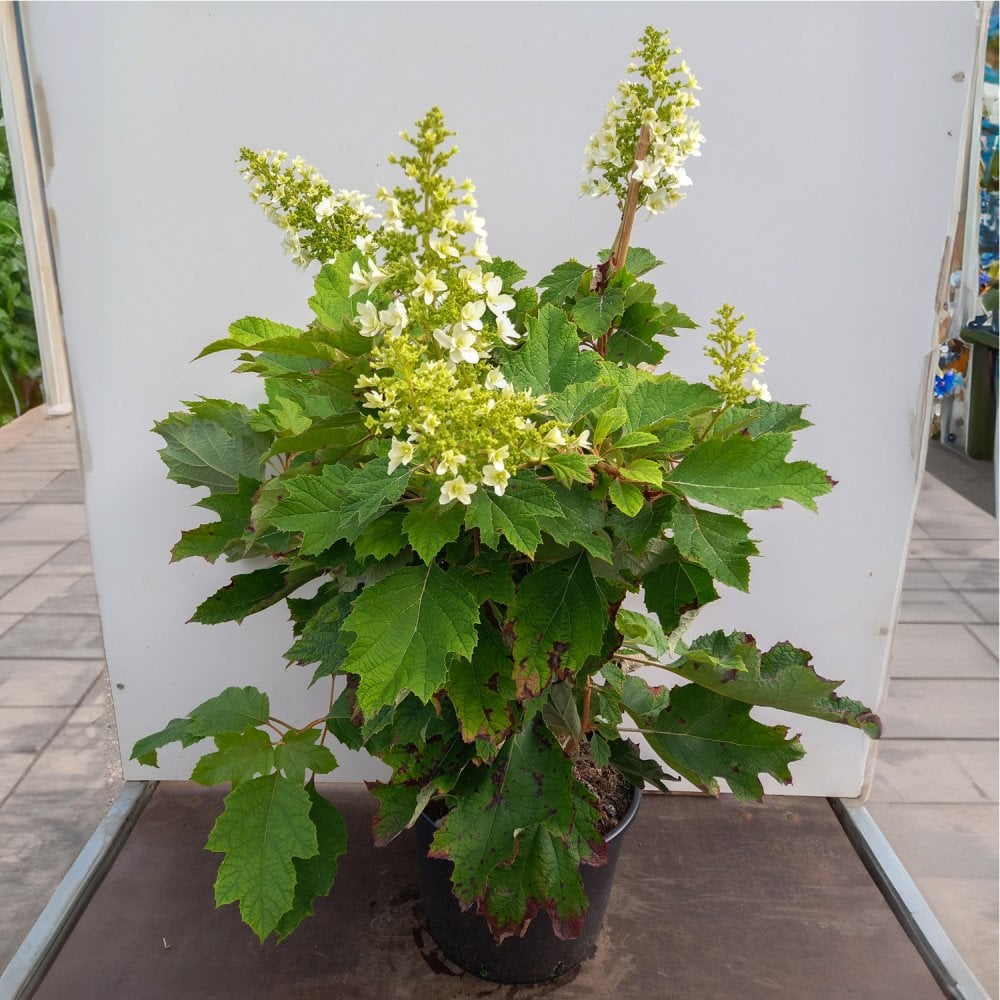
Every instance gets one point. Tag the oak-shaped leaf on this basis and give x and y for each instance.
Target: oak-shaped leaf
(562, 283)
(743, 473)
(248, 593)
(559, 621)
(211, 452)
(482, 689)
(298, 752)
(216, 538)
(408, 625)
(704, 736)
(238, 757)
(782, 677)
(529, 782)
(314, 876)
(720, 543)
(265, 826)
(514, 515)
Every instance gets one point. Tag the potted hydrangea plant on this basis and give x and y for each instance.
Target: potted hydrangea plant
(472, 475)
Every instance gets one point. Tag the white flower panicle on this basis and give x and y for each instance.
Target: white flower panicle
(659, 100)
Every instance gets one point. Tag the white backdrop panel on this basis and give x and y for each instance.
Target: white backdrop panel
(820, 207)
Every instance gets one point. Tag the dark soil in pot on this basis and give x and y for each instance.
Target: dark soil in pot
(538, 956)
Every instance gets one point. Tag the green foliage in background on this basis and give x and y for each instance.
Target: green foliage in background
(20, 367)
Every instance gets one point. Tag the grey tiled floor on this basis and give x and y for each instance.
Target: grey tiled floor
(58, 764)
(935, 786)
(934, 794)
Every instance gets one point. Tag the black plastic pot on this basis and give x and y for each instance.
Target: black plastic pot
(465, 938)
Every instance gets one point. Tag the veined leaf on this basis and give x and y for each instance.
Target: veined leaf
(578, 400)
(783, 677)
(265, 826)
(202, 452)
(627, 498)
(314, 876)
(482, 689)
(560, 712)
(382, 537)
(676, 588)
(550, 358)
(217, 537)
(572, 468)
(431, 526)
(321, 638)
(640, 630)
(298, 752)
(247, 332)
(333, 302)
(530, 782)
(582, 523)
(638, 260)
(559, 620)
(721, 543)
(248, 593)
(235, 710)
(653, 401)
(562, 283)
(704, 736)
(514, 515)
(596, 314)
(408, 625)
(238, 757)
(743, 473)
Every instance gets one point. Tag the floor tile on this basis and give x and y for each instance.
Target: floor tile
(968, 909)
(20, 560)
(940, 651)
(27, 730)
(45, 522)
(941, 841)
(12, 768)
(35, 590)
(987, 635)
(921, 575)
(936, 606)
(79, 598)
(54, 637)
(20, 485)
(47, 682)
(953, 548)
(984, 603)
(976, 574)
(927, 771)
(7, 622)
(972, 525)
(6, 582)
(919, 708)
(6, 509)
(73, 559)
(67, 487)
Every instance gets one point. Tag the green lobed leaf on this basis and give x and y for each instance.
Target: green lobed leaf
(515, 515)
(720, 543)
(217, 537)
(577, 400)
(430, 526)
(783, 677)
(596, 314)
(321, 638)
(265, 826)
(408, 625)
(582, 523)
(560, 712)
(298, 752)
(529, 782)
(235, 710)
(641, 630)
(509, 272)
(203, 452)
(635, 768)
(676, 588)
(627, 498)
(482, 689)
(550, 358)
(703, 736)
(248, 593)
(333, 302)
(742, 473)
(383, 537)
(759, 418)
(638, 260)
(653, 401)
(145, 750)
(570, 468)
(562, 282)
(247, 332)
(559, 621)
(238, 757)
(314, 876)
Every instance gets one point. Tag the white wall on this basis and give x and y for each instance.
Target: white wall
(820, 207)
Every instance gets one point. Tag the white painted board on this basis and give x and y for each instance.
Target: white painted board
(820, 208)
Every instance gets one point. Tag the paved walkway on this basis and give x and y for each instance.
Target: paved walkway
(935, 791)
